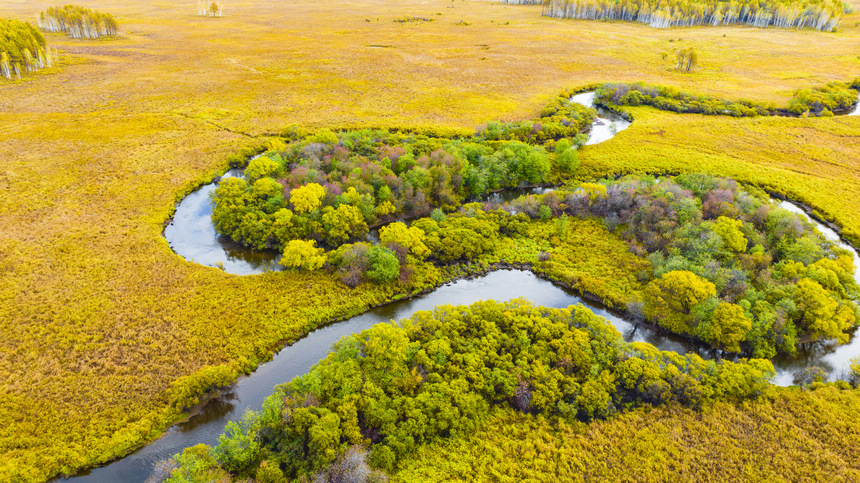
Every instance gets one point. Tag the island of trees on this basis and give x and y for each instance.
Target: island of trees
(384, 393)
(699, 256)
(23, 49)
(78, 22)
(819, 101)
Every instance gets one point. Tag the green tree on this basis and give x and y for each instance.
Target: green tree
(307, 198)
(567, 161)
(303, 255)
(410, 238)
(383, 265)
(729, 326)
(671, 298)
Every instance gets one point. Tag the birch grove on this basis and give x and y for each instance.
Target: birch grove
(78, 22)
(23, 50)
(817, 14)
(212, 9)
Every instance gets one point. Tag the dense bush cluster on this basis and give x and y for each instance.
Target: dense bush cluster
(729, 267)
(673, 99)
(815, 14)
(396, 387)
(820, 101)
(78, 22)
(331, 188)
(823, 101)
(22, 49)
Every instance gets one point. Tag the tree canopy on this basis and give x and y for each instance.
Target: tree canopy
(397, 387)
(23, 49)
(816, 14)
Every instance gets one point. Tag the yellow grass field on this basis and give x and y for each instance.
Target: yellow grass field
(98, 316)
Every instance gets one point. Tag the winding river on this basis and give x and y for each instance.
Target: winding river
(191, 235)
(606, 125)
(249, 392)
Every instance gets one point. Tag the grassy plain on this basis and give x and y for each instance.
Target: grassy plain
(98, 316)
(792, 435)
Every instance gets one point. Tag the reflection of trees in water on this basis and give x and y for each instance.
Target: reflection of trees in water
(214, 410)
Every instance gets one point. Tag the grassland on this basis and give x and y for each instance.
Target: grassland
(791, 436)
(98, 316)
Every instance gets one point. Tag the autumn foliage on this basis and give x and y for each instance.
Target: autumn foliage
(397, 387)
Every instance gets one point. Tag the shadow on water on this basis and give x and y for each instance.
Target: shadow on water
(192, 235)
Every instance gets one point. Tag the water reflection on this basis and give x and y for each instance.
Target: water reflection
(606, 125)
(192, 235)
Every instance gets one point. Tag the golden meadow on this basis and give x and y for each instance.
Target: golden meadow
(99, 317)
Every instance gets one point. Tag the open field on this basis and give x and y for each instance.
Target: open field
(98, 316)
(791, 436)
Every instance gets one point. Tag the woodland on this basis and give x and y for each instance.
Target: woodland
(374, 153)
(78, 22)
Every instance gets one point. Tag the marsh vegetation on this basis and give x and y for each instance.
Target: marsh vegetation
(99, 318)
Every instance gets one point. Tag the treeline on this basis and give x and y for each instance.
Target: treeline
(728, 266)
(673, 99)
(819, 101)
(78, 22)
(815, 14)
(394, 388)
(23, 49)
(330, 188)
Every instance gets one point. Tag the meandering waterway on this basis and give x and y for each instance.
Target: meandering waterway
(192, 235)
(606, 125)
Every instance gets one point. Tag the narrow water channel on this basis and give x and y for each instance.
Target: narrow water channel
(606, 125)
(298, 358)
(192, 236)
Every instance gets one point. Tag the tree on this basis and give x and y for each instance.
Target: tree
(730, 231)
(821, 315)
(729, 326)
(307, 198)
(342, 224)
(303, 255)
(383, 265)
(854, 365)
(78, 22)
(410, 238)
(260, 167)
(567, 161)
(670, 299)
(687, 58)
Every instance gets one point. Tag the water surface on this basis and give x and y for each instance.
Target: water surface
(606, 125)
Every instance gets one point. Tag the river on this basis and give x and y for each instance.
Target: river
(192, 235)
